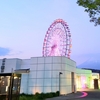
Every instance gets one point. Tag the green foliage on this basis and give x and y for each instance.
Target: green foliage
(22, 98)
(92, 7)
(39, 96)
(57, 93)
(27, 97)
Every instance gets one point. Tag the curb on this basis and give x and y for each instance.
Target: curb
(84, 94)
(77, 95)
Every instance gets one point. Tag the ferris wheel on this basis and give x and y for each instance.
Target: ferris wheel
(57, 41)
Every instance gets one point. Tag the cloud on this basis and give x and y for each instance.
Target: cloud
(14, 53)
(4, 51)
(9, 53)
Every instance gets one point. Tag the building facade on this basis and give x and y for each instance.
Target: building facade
(47, 74)
(44, 74)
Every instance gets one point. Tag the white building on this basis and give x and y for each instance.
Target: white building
(44, 74)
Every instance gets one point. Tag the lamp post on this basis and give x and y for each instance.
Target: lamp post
(59, 81)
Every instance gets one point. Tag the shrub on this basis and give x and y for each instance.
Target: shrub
(22, 98)
(57, 93)
(38, 96)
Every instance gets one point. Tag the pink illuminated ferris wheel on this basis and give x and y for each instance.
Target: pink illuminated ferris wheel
(57, 40)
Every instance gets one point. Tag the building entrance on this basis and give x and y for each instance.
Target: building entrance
(9, 86)
(73, 81)
(96, 84)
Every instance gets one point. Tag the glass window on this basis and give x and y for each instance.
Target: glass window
(55, 74)
(47, 89)
(40, 74)
(39, 82)
(32, 82)
(40, 67)
(32, 74)
(34, 60)
(66, 67)
(48, 66)
(31, 90)
(69, 89)
(68, 74)
(40, 60)
(38, 89)
(64, 60)
(55, 89)
(48, 59)
(22, 90)
(63, 82)
(63, 66)
(68, 81)
(64, 90)
(56, 59)
(24, 76)
(47, 74)
(57, 66)
(47, 82)
(33, 67)
(55, 82)
(62, 75)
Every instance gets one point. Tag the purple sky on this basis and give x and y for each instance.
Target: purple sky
(23, 25)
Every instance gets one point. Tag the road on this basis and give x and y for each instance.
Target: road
(91, 95)
(82, 95)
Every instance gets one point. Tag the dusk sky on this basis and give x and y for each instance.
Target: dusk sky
(23, 25)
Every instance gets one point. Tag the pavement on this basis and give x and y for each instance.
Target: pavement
(69, 96)
(84, 94)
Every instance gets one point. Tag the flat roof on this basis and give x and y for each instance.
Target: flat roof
(93, 70)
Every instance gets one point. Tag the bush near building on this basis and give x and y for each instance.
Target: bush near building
(39, 96)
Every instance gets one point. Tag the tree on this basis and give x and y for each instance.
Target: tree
(92, 7)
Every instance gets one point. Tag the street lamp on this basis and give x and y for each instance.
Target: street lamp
(59, 81)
